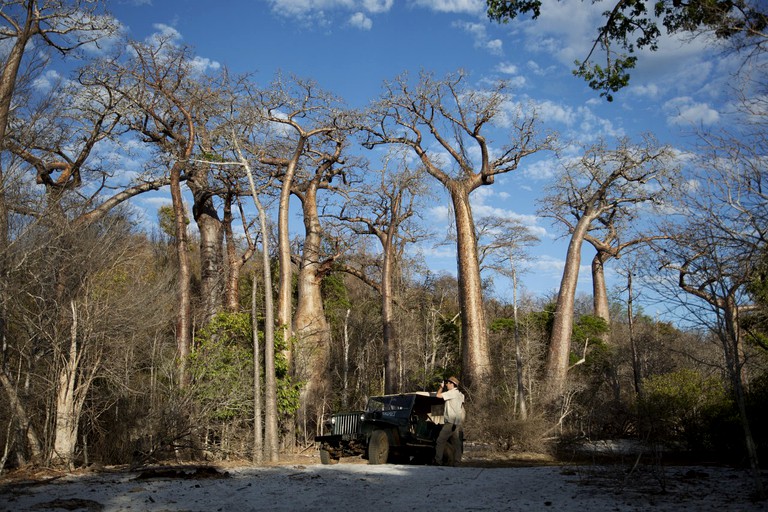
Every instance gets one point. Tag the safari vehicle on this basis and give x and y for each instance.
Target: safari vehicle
(393, 428)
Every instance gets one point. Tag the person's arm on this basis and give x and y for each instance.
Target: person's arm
(440, 390)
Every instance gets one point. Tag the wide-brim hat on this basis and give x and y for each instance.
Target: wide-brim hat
(454, 380)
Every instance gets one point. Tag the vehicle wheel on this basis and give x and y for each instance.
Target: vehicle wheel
(378, 447)
(326, 458)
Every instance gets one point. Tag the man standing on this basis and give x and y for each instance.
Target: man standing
(453, 416)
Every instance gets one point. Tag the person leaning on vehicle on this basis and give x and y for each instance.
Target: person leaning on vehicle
(453, 416)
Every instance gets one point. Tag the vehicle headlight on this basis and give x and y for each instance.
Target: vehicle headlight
(333, 420)
(362, 417)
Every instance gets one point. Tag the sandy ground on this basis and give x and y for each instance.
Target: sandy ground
(301, 483)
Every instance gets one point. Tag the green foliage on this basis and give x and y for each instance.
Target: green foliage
(335, 296)
(608, 79)
(167, 220)
(503, 325)
(288, 391)
(545, 320)
(589, 327)
(221, 367)
(636, 24)
(686, 406)
(503, 11)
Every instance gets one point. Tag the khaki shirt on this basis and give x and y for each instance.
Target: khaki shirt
(454, 410)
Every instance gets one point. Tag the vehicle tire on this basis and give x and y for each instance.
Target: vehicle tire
(326, 458)
(378, 447)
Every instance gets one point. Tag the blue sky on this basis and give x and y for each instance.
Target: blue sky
(351, 46)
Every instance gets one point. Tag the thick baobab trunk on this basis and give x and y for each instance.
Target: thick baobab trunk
(184, 312)
(556, 367)
(474, 338)
(391, 345)
(211, 258)
(312, 347)
(599, 291)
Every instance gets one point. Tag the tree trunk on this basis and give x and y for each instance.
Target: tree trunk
(24, 425)
(184, 312)
(391, 345)
(556, 366)
(72, 388)
(284, 303)
(519, 367)
(599, 291)
(271, 439)
(258, 436)
(312, 348)
(474, 338)
(11, 71)
(733, 350)
(211, 258)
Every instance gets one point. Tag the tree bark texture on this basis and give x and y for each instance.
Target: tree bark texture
(556, 366)
(599, 290)
(312, 346)
(211, 241)
(184, 307)
(474, 338)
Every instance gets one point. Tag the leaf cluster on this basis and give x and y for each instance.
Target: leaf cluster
(637, 24)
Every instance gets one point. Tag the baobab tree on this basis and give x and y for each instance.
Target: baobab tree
(617, 234)
(385, 209)
(156, 82)
(292, 112)
(452, 115)
(602, 182)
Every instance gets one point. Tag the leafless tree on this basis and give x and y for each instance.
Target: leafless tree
(385, 209)
(712, 254)
(295, 111)
(157, 81)
(603, 182)
(453, 115)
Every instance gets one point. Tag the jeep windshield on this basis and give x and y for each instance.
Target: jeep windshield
(391, 405)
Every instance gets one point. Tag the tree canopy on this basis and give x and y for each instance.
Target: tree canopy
(633, 25)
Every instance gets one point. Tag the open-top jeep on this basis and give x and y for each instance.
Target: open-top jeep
(396, 428)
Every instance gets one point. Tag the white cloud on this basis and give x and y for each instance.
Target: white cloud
(536, 69)
(565, 29)
(361, 21)
(495, 46)
(165, 32)
(551, 112)
(378, 6)
(202, 64)
(646, 91)
(301, 8)
(479, 33)
(453, 6)
(47, 80)
(539, 170)
(685, 111)
(507, 68)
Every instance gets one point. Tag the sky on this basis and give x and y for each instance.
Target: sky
(350, 47)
